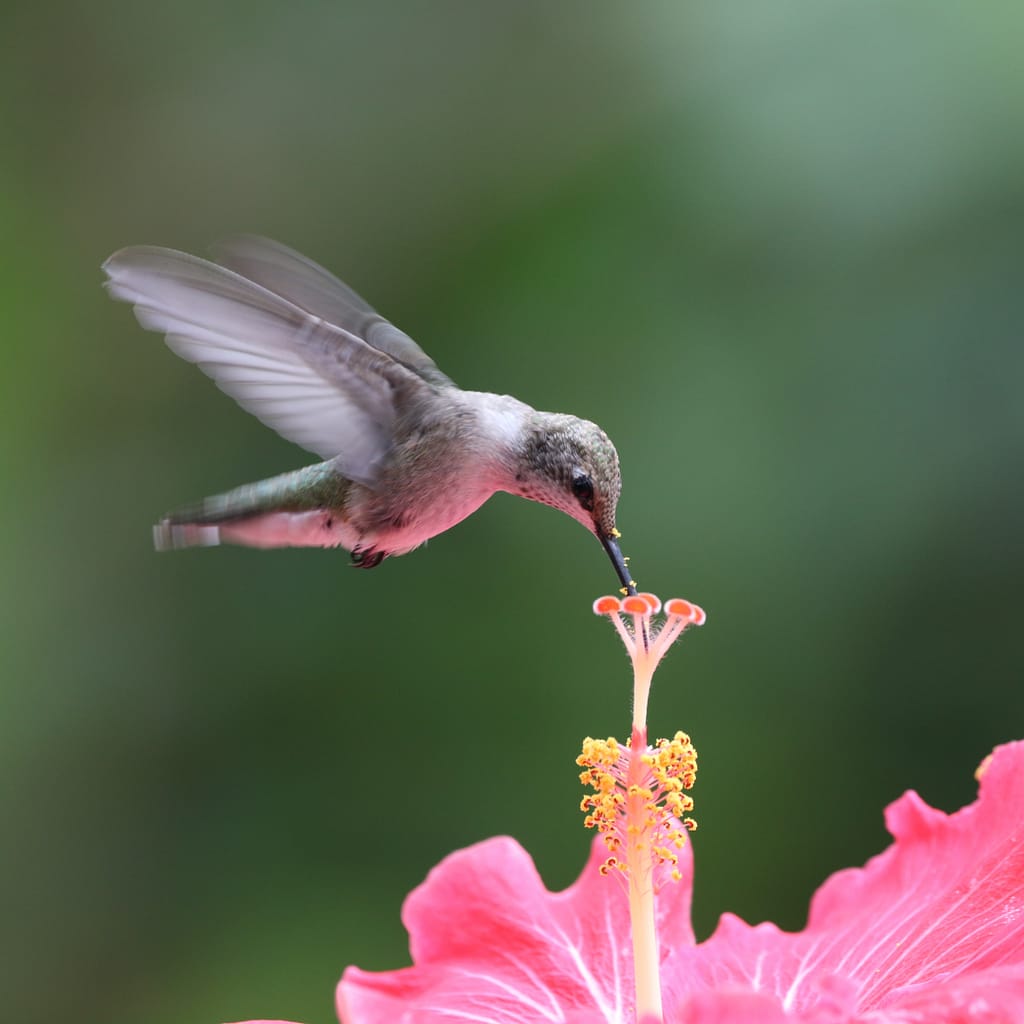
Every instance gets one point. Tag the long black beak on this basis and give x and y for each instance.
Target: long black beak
(611, 545)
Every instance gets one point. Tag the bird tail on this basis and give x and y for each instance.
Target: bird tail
(170, 535)
(304, 508)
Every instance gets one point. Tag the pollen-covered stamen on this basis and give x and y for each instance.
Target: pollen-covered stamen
(639, 803)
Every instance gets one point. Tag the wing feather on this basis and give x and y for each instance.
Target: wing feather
(309, 286)
(318, 383)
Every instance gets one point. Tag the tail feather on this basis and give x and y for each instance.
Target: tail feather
(171, 536)
(304, 508)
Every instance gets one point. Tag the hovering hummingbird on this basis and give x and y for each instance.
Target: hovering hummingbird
(408, 452)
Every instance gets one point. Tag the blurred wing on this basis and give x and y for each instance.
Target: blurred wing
(313, 382)
(307, 285)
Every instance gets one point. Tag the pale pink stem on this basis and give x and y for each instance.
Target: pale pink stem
(641, 890)
(644, 662)
(643, 671)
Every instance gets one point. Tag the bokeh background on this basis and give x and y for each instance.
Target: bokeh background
(774, 249)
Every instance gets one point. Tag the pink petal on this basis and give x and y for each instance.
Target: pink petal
(995, 996)
(929, 932)
(731, 1008)
(941, 905)
(491, 944)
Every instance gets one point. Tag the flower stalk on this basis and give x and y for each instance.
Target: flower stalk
(639, 804)
(639, 867)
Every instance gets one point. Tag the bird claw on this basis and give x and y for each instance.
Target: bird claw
(367, 559)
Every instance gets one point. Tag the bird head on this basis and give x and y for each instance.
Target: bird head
(572, 465)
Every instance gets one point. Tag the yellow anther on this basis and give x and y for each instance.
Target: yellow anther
(638, 798)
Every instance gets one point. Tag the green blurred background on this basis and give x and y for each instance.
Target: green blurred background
(774, 249)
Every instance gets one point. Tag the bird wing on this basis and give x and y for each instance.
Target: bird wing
(309, 286)
(314, 381)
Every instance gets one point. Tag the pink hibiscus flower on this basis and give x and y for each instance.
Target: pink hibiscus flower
(929, 932)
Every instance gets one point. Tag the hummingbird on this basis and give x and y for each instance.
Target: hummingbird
(407, 452)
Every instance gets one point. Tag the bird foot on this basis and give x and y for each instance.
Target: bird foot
(367, 559)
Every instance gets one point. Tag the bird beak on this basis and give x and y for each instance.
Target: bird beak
(611, 545)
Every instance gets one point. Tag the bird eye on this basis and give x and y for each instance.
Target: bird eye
(583, 491)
